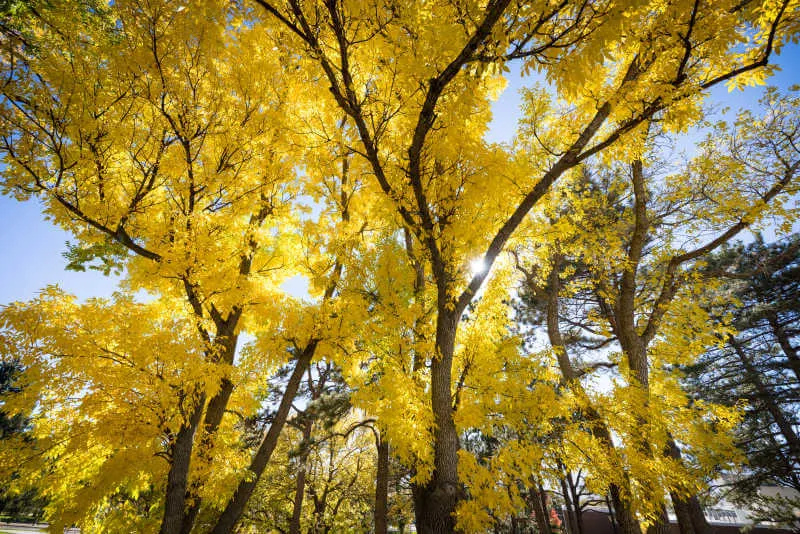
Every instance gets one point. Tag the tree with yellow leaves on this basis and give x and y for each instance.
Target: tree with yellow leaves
(416, 79)
(634, 282)
(142, 133)
(219, 148)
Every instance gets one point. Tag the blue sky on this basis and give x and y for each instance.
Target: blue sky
(32, 247)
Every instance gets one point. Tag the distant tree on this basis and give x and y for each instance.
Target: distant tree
(758, 367)
(25, 504)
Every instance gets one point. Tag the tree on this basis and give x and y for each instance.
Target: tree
(214, 150)
(412, 125)
(629, 276)
(756, 365)
(144, 135)
(23, 504)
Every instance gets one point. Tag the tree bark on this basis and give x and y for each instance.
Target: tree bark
(636, 352)
(215, 411)
(382, 487)
(688, 511)
(435, 503)
(297, 505)
(540, 511)
(612, 515)
(178, 476)
(681, 507)
(571, 516)
(233, 511)
(661, 525)
(627, 522)
(300, 486)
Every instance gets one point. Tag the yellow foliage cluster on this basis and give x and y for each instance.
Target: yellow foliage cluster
(217, 151)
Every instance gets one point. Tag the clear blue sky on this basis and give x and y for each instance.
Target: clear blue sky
(32, 248)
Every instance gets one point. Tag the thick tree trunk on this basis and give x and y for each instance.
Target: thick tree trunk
(699, 521)
(382, 487)
(691, 519)
(435, 503)
(626, 521)
(236, 505)
(681, 507)
(178, 476)
(688, 511)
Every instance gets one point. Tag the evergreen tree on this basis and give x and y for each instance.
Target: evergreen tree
(758, 366)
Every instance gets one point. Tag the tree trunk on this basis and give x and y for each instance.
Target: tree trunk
(688, 511)
(612, 515)
(177, 485)
(435, 503)
(570, 515)
(661, 525)
(540, 511)
(382, 487)
(212, 420)
(233, 511)
(297, 505)
(628, 524)
(576, 502)
(626, 521)
(699, 521)
(178, 476)
(300, 486)
(681, 507)
(636, 352)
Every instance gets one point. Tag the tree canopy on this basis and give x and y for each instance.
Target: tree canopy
(212, 151)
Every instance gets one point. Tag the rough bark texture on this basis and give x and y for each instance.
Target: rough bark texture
(435, 503)
(626, 521)
(382, 488)
(233, 511)
(178, 476)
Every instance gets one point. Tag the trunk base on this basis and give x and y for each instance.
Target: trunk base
(435, 506)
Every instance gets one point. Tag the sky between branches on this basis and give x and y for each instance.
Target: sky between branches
(31, 248)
